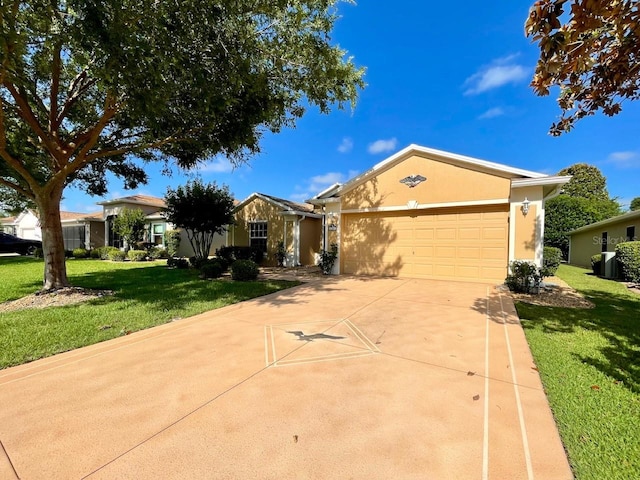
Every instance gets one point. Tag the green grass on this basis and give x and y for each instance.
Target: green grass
(589, 361)
(146, 295)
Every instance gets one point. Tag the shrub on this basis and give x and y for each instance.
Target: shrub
(172, 241)
(212, 269)
(180, 263)
(328, 258)
(104, 252)
(68, 253)
(281, 254)
(116, 255)
(230, 254)
(551, 258)
(525, 277)
(158, 252)
(38, 253)
(244, 270)
(80, 253)
(596, 264)
(137, 255)
(196, 262)
(628, 258)
(95, 253)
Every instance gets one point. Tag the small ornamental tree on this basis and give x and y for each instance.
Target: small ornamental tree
(129, 224)
(202, 210)
(635, 204)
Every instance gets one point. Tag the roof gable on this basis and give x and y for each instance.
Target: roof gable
(137, 199)
(287, 206)
(609, 221)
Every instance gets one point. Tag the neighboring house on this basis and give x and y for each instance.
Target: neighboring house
(25, 225)
(602, 236)
(263, 221)
(82, 230)
(433, 214)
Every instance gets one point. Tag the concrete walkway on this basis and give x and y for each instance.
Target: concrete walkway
(338, 378)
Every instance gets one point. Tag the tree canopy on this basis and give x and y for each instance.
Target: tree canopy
(635, 204)
(202, 210)
(584, 200)
(591, 50)
(130, 224)
(89, 87)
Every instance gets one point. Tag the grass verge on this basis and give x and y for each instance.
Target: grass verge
(146, 295)
(589, 362)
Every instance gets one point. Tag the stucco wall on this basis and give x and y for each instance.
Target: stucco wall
(310, 239)
(585, 244)
(259, 210)
(446, 183)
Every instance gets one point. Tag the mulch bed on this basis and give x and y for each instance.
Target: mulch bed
(55, 298)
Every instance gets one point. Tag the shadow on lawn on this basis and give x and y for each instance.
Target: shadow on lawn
(616, 317)
(169, 289)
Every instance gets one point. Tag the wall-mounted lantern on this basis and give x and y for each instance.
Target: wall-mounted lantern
(525, 206)
(332, 223)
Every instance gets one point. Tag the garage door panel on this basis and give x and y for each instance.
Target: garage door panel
(467, 245)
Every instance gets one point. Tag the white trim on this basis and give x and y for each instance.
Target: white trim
(602, 223)
(535, 182)
(539, 232)
(428, 206)
(323, 201)
(513, 212)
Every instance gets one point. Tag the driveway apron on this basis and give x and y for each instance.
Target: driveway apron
(346, 377)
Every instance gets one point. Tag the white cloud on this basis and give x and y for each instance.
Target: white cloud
(217, 165)
(382, 146)
(492, 113)
(500, 72)
(346, 146)
(625, 159)
(318, 183)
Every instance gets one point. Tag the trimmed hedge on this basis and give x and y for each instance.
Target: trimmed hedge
(212, 269)
(137, 255)
(628, 258)
(80, 253)
(551, 259)
(596, 264)
(116, 255)
(244, 270)
(175, 262)
(230, 254)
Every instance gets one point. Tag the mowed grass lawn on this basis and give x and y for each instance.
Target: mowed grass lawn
(146, 294)
(589, 361)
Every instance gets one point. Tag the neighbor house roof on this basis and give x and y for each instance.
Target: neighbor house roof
(137, 199)
(287, 206)
(603, 223)
(7, 219)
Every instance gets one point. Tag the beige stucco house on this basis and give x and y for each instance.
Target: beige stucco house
(602, 236)
(263, 221)
(431, 214)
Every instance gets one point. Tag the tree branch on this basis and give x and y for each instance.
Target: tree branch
(55, 88)
(17, 188)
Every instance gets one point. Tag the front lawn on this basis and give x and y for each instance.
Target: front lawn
(589, 361)
(146, 294)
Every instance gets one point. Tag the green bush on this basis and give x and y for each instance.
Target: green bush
(281, 254)
(80, 253)
(180, 263)
(596, 264)
(525, 277)
(551, 259)
(38, 253)
(196, 262)
(628, 258)
(137, 255)
(244, 270)
(95, 253)
(212, 269)
(104, 252)
(158, 252)
(172, 241)
(68, 253)
(328, 258)
(116, 255)
(230, 254)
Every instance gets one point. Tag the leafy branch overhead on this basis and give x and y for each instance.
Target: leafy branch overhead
(91, 87)
(594, 56)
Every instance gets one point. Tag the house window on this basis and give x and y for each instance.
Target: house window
(258, 235)
(605, 241)
(73, 237)
(157, 233)
(631, 234)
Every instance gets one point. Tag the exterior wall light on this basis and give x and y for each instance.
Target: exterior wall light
(333, 221)
(525, 206)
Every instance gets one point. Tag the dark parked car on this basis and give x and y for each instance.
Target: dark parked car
(13, 244)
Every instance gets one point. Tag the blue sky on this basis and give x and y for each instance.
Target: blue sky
(450, 78)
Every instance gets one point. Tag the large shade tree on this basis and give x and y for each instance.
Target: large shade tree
(89, 87)
(591, 50)
(584, 200)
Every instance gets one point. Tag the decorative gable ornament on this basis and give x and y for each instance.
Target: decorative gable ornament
(413, 180)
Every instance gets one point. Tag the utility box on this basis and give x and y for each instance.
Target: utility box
(609, 265)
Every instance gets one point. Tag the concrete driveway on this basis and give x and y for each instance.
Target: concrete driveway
(335, 379)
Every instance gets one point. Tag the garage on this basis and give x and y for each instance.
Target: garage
(469, 244)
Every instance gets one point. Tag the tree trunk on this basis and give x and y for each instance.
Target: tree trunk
(55, 268)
